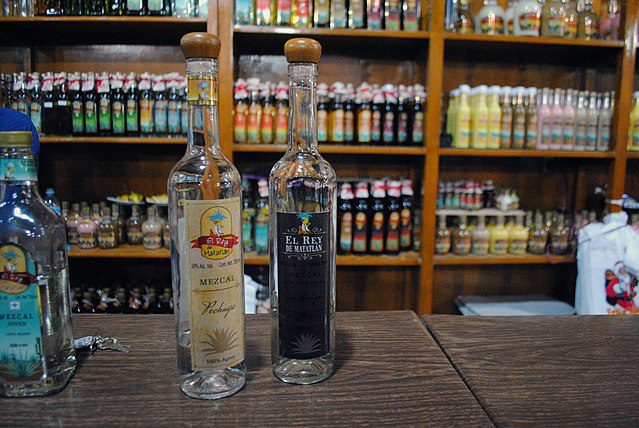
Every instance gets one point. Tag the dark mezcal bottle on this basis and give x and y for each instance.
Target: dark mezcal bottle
(302, 192)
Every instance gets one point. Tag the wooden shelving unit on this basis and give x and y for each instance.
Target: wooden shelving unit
(437, 59)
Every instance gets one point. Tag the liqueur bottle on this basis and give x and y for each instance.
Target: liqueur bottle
(86, 230)
(559, 237)
(345, 219)
(378, 219)
(262, 218)
(160, 106)
(302, 188)
(107, 237)
(35, 102)
(152, 230)
(205, 216)
(77, 110)
(173, 108)
(281, 115)
(588, 28)
(322, 114)
(267, 124)
(393, 215)
(62, 106)
(442, 239)
(90, 104)
(406, 215)
(38, 357)
(481, 238)
(462, 239)
(117, 104)
(145, 105)
(248, 217)
(132, 110)
(135, 7)
(321, 13)
(134, 235)
(104, 109)
(360, 224)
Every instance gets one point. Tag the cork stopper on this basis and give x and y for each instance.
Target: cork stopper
(16, 139)
(200, 45)
(302, 50)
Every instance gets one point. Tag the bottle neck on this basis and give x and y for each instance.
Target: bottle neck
(302, 129)
(18, 175)
(202, 81)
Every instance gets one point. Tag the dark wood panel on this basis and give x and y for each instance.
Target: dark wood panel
(381, 377)
(632, 178)
(13, 60)
(452, 281)
(547, 371)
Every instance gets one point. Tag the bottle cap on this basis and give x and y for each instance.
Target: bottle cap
(302, 50)
(16, 139)
(200, 45)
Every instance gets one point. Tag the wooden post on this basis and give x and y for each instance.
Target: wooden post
(224, 21)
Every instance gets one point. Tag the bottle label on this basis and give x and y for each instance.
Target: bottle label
(402, 128)
(559, 245)
(546, 133)
(321, 12)
(388, 133)
(77, 118)
(152, 240)
(118, 117)
(302, 11)
(72, 235)
(442, 244)
(239, 123)
(21, 347)
(131, 116)
(105, 114)
(392, 237)
(211, 262)
(377, 233)
(406, 235)
(518, 246)
(537, 244)
(266, 128)
(36, 116)
(519, 132)
(261, 229)
(173, 119)
(374, 18)
(531, 132)
(155, 5)
(500, 246)
(134, 5)
(359, 234)
(86, 239)
(346, 232)
(17, 170)
(376, 127)
(322, 126)
(337, 126)
(480, 246)
(283, 12)
(202, 90)
(530, 21)
(159, 116)
(557, 132)
(281, 125)
(492, 24)
(569, 132)
(591, 135)
(304, 284)
(580, 138)
(418, 127)
(90, 117)
(253, 124)
(263, 11)
(555, 26)
(243, 12)
(247, 226)
(349, 125)
(462, 245)
(134, 235)
(571, 29)
(591, 28)
(106, 240)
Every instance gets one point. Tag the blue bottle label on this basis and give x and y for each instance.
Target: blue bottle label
(21, 356)
(17, 170)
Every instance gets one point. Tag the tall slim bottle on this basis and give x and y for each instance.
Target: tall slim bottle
(302, 189)
(205, 215)
(37, 353)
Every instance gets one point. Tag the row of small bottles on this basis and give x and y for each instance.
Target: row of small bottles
(633, 131)
(549, 233)
(372, 14)
(99, 103)
(101, 226)
(118, 299)
(550, 18)
(176, 8)
(369, 114)
(475, 195)
(529, 118)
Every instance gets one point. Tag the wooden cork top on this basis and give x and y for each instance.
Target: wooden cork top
(302, 50)
(200, 45)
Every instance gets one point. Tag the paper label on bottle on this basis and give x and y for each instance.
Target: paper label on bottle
(530, 21)
(304, 284)
(364, 126)
(374, 15)
(376, 126)
(500, 246)
(559, 245)
(159, 115)
(462, 245)
(555, 26)
(322, 126)
(90, 117)
(442, 244)
(263, 11)
(571, 29)
(132, 5)
(77, 117)
(392, 234)
(591, 28)
(518, 246)
(155, 5)
(239, 123)
(152, 240)
(36, 116)
(359, 233)
(72, 235)
(134, 235)
(261, 228)
(349, 125)
(118, 117)
(580, 135)
(406, 234)
(243, 12)
(283, 12)
(86, 239)
(337, 126)
(377, 233)
(213, 267)
(346, 232)
(388, 133)
(202, 90)
(131, 116)
(21, 349)
(106, 240)
(480, 246)
(537, 244)
(402, 128)
(492, 24)
(17, 170)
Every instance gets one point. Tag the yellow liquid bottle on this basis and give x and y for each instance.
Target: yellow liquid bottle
(461, 128)
(633, 137)
(479, 119)
(518, 239)
(499, 238)
(450, 113)
(494, 118)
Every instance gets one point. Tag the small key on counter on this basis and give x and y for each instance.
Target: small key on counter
(91, 343)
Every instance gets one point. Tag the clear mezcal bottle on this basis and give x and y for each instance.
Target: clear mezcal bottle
(36, 338)
(205, 215)
(302, 192)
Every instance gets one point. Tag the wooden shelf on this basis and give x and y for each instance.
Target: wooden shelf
(633, 155)
(403, 259)
(113, 140)
(525, 153)
(121, 252)
(85, 30)
(530, 259)
(334, 148)
(553, 41)
(328, 32)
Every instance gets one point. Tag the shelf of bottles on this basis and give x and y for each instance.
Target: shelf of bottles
(370, 119)
(557, 22)
(524, 153)
(503, 118)
(132, 10)
(528, 259)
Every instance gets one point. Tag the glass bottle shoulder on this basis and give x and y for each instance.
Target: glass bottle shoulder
(303, 164)
(214, 168)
